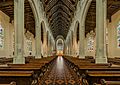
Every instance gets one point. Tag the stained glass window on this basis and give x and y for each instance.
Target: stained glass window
(90, 43)
(29, 45)
(1, 37)
(118, 35)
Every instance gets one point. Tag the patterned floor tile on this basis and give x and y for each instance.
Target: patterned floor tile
(60, 74)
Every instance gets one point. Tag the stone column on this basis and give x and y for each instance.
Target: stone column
(67, 49)
(54, 53)
(51, 47)
(71, 44)
(64, 48)
(74, 44)
(48, 48)
(55, 46)
(101, 8)
(19, 31)
(81, 41)
(68, 46)
(45, 44)
(38, 39)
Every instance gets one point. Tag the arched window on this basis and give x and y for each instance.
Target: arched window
(90, 43)
(28, 41)
(77, 33)
(1, 37)
(60, 46)
(118, 35)
(13, 35)
(29, 45)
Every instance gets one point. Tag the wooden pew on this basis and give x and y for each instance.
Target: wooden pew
(20, 77)
(73, 62)
(38, 66)
(35, 65)
(96, 67)
(5, 60)
(77, 60)
(11, 83)
(89, 57)
(81, 66)
(96, 76)
(39, 69)
(114, 60)
(104, 82)
(87, 64)
(94, 72)
(28, 58)
(40, 63)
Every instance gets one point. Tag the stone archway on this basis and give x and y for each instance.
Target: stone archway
(60, 37)
(60, 46)
(43, 32)
(76, 39)
(84, 12)
(43, 39)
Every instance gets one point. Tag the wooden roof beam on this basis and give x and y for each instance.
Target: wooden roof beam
(58, 14)
(59, 22)
(59, 17)
(58, 7)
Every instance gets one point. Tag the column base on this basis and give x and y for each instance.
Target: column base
(38, 57)
(81, 57)
(50, 55)
(18, 60)
(101, 60)
(75, 56)
(45, 55)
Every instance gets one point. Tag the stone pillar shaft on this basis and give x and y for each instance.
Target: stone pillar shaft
(45, 44)
(49, 46)
(82, 41)
(74, 44)
(100, 31)
(19, 31)
(71, 44)
(69, 47)
(64, 49)
(38, 39)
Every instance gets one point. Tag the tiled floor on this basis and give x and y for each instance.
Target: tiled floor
(60, 74)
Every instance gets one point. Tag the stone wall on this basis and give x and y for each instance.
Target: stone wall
(8, 49)
(113, 50)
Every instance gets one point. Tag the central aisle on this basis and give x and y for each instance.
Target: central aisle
(60, 74)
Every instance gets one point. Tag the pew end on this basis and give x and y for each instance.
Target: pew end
(11, 83)
(104, 82)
